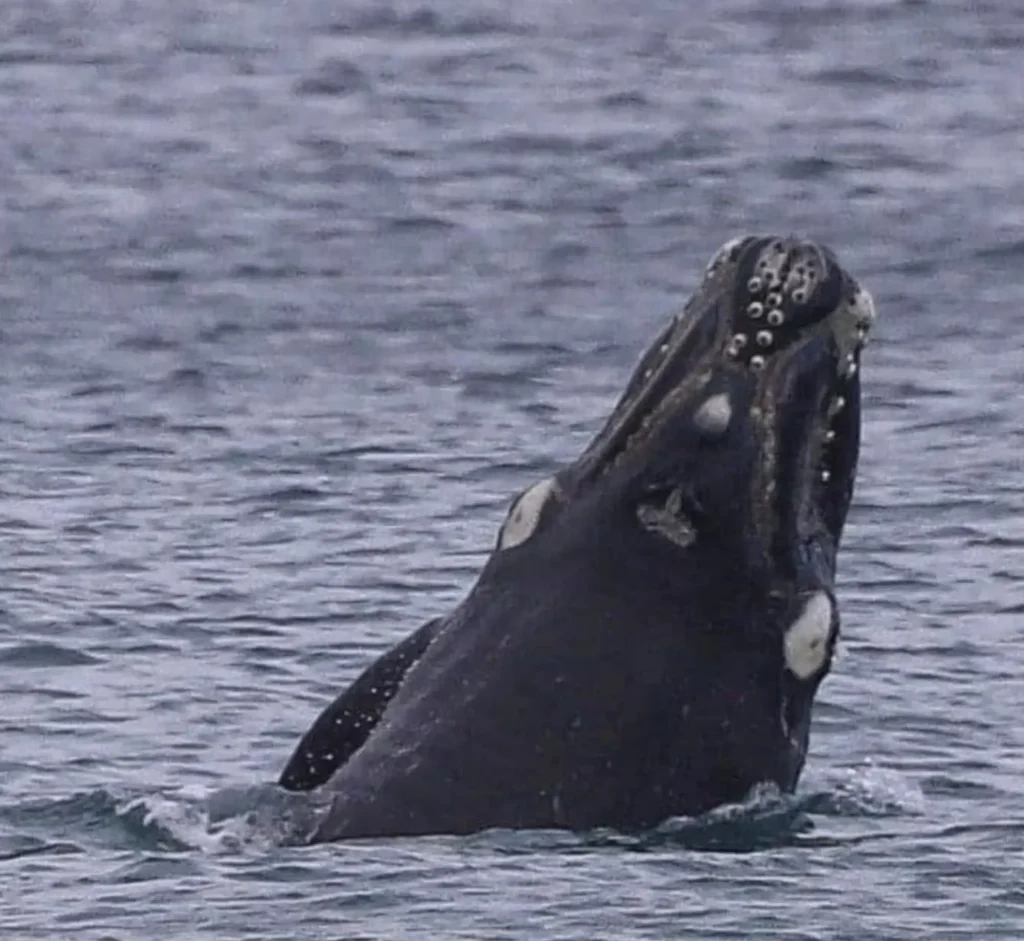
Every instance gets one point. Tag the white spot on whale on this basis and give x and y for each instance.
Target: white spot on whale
(714, 415)
(805, 645)
(525, 514)
(669, 520)
(722, 255)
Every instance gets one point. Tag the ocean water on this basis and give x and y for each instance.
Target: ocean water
(295, 296)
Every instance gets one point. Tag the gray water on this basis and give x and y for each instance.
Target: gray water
(295, 296)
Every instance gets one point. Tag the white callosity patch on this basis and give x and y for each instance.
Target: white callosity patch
(768, 268)
(806, 643)
(806, 269)
(851, 326)
(714, 415)
(668, 520)
(525, 514)
(722, 255)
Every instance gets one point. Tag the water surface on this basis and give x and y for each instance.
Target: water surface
(295, 296)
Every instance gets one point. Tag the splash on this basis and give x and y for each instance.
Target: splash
(228, 820)
(258, 818)
(866, 790)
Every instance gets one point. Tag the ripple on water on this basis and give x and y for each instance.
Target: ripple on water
(296, 297)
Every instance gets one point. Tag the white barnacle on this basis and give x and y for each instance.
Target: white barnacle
(525, 514)
(714, 414)
(805, 645)
(736, 344)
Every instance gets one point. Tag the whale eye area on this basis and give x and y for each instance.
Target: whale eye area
(525, 514)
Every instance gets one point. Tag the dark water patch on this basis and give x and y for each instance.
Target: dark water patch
(239, 53)
(127, 423)
(916, 265)
(223, 330)
(41, 654)
(143, 273)
(14, 524)
(257, 271)
(17, 846)
(200, 429)
(97, 389)
(1008, 251)
(333, 78)
(285, 621)
(288, 872)
(420, 224)
(812, 15)
(682, 145)
(15, 57)
(492, 386)
(222, 596)
(526, 143)
(150, 648)
(433, 315)
(152, 868)
(859, 78)
(944, 786)
(284, 496)
(432, 110)
(187, 377)
(503, 470)
(105, 449)
(149, 341)
(808, 168)
(159, 607)
(549, 350)
(629, 101)
(423, 21)
(465, 64)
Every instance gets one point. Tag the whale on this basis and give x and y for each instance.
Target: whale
(647, 638)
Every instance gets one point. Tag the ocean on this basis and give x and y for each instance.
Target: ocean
(296, 296)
